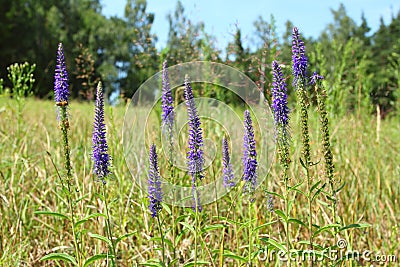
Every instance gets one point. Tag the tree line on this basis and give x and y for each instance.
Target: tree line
(361, 68)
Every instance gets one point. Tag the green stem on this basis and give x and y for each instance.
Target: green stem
(327, 151)
(108, 226)
(222, 240)
(310, 221)
(287, 221)
(250, 233)
(64, 125)
(162, 239)
(196, 233)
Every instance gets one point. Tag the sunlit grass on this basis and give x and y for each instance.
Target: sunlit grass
(28, 183)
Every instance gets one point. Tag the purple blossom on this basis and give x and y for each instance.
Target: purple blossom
(195, 154)
(61, 92)
(315, 77)
(100, 154)
(226, 165)
(300, 61)
(155, 193)
(167, 101)
(249, 154)
(279, 96)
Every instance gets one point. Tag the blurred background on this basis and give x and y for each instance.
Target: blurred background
(354, 44)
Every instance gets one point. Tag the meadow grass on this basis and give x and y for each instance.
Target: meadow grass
(29, 183)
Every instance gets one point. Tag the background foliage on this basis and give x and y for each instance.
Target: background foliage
(121, 51)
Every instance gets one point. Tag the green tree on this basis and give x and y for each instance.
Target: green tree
(185, 39)
(142, 62)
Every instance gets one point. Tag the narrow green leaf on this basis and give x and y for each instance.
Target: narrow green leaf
(166, 208)
(180, 218)
(318, 192)
(102, 238)
(173, 263)
(297, 221)
(326, 228)
(302, 163)
(87, 218)
(307, 242)
(159, 239)
(59, 256)
(263, 225)
(197, 263)
(298, 191)
(152, 264)
(274, 243)
(295, 186)
(188, 226)
(234, 256)
(340, 187)
(96, 258)
(355, 225)
(275, 194)
(315, 185)
(212, 227)
(51, 213)
(122, 237)
(281, 214)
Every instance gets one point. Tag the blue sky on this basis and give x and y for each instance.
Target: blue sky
(220, 17)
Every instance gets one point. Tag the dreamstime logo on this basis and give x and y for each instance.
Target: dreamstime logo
(142, 126)
(342, 253)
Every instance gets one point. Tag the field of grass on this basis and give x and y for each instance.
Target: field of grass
(368, 165)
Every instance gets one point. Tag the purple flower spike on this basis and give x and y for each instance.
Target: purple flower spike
(249, 154)
(155, 193)
(167, 101)
(279, 96)
(195, 154)
(300, 61)
(315, 77)
(100, 154)
(61, 92)
(226, 165)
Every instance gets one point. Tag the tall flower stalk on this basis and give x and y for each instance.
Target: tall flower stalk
(155, 192)
(249, 155)
(326, 146)
(167, 101)
(282, 137)
(100, 156)
(168, 119)
(61, 95)
(227, 172)
(249, 172)
(300, 65)
(195, 155)
(101, 159)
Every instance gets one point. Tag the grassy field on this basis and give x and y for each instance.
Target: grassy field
(366, 158)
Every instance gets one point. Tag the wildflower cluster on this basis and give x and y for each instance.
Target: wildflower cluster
(228, 177)
(249, 154)
(155, 194)
(195, 155)
(100, 155)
